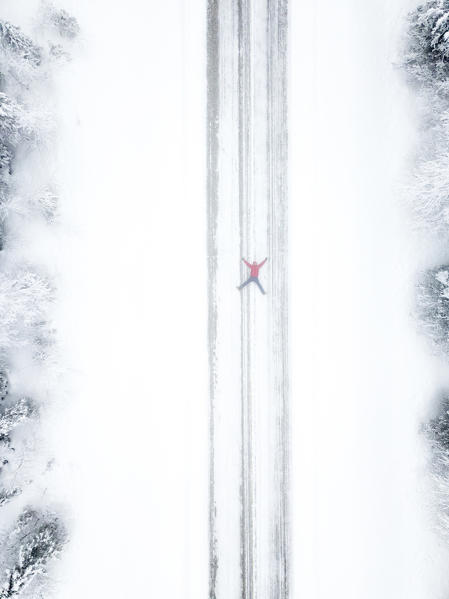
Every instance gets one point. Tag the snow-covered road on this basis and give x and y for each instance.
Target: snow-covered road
(248, 331)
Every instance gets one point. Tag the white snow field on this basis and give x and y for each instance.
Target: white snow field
(149, 236)
(361, 377)
(133, 311)
(137, 437)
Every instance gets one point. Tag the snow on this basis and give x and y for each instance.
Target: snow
(362, 379)
(125, 411)
(442, 277)
(133, 303)
(128, 426)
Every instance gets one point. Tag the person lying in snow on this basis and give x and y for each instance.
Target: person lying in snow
(254, 274)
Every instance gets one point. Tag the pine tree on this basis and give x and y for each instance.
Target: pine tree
(36, 539)
(427, 56)
(426, 61)
(13, 122)
(66, 25)
(12, 415)
(4, 385)
(437, 429)
(433, 306)
(21, 46)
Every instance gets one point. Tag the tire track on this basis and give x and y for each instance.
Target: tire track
(246, 159)
(212, 215)
(277, 240)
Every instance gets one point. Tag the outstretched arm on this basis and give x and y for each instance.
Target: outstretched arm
(247, 263)
(263, 262)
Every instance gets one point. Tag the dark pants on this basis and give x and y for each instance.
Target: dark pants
(253, 280)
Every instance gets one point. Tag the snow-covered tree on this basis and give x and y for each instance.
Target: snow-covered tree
(433, 306)
(36, 539)
(25, 292)
(12, 415)
(4, 384)
(18, 129)
(14, 41)
(6, 158)
(14, 122)
(437, 429)
(40, 202)
(24, 301)
(431, 193)
(437, 433)
(66, 25)
(46, 202)
(426, 61)
(7, 495)
(427, 55)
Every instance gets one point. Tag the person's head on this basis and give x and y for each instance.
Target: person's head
(254, 263)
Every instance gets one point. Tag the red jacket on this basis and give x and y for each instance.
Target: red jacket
(254, 267)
